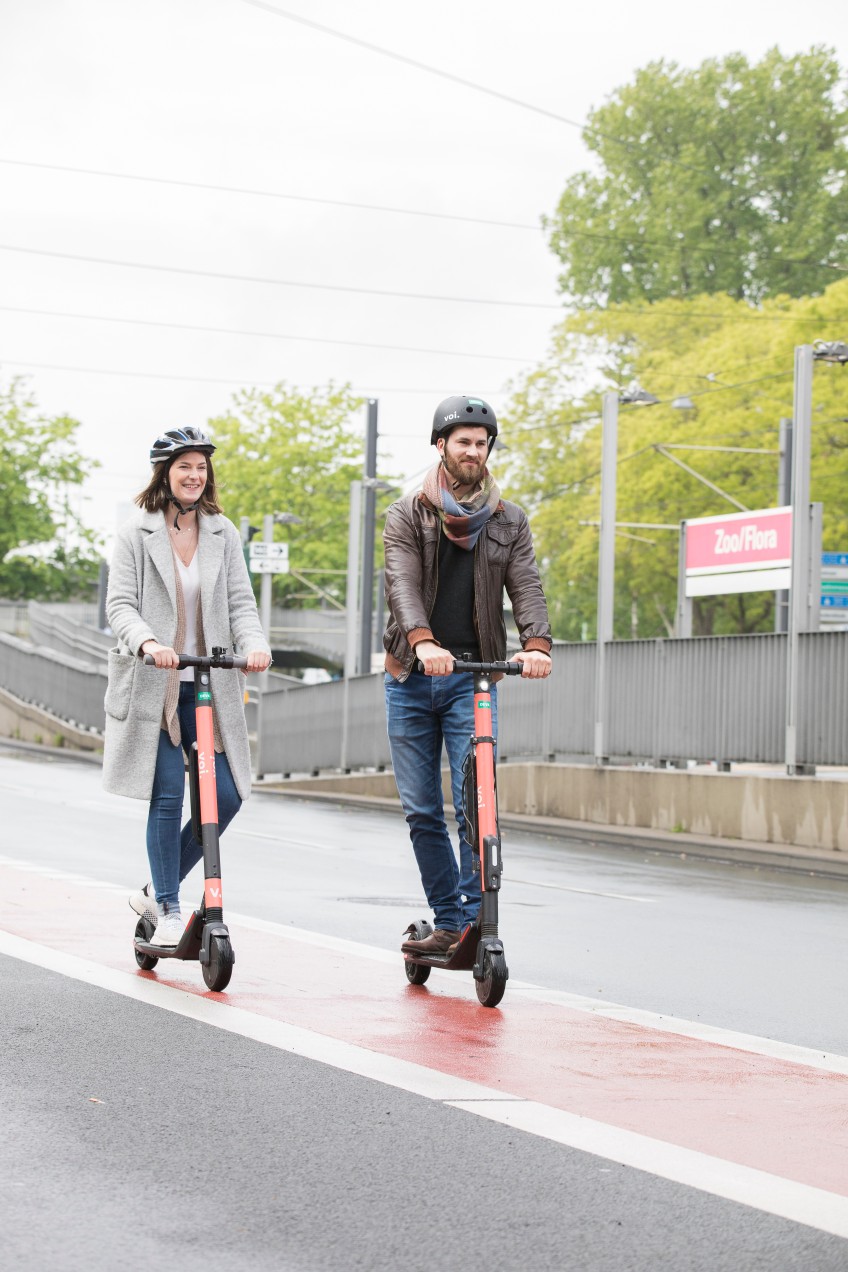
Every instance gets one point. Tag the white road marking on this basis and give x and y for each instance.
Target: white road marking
(798, 1203)
(774, 1049)
(589, 892)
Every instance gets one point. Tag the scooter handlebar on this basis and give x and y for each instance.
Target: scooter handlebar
(226, 661)
(484, 668)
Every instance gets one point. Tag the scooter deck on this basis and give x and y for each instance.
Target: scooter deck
(188, 949)
(462, 959)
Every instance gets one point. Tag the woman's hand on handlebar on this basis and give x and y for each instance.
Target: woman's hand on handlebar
(162, 655)
(435, 660)
(258, 660)
(537, 664)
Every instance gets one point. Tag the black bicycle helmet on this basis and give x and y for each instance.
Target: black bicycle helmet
(176, 440)
(461, 409)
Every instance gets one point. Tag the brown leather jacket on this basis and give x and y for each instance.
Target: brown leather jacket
(503, 558)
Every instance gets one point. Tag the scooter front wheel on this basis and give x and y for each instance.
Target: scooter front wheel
(416, 973)
(219, 969)
(143, 931)
(490, 990)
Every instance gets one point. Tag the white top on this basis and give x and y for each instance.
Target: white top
(190, 580)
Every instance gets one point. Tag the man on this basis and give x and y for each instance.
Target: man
(450, 550)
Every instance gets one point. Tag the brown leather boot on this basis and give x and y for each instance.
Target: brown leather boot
(438, 942)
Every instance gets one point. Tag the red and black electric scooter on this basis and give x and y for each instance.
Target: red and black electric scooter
(206, 938)
(480, 947)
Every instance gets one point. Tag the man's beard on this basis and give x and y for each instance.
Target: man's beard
(463, 474)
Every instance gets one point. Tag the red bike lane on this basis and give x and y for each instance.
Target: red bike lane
(758, 1111)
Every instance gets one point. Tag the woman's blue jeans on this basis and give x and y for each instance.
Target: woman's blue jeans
(174, 852)
(423, 713)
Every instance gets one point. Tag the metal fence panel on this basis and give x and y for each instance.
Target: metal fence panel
(67, 687)
(58, 627)
(823, 685)
(551, 717)
(705, 698)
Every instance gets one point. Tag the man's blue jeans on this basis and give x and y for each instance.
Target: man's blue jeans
(424, 713)
(173, 852)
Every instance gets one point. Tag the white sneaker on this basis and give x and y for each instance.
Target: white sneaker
(169, 930)
(144, 903)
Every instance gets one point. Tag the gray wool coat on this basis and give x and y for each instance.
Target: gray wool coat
(141, 605)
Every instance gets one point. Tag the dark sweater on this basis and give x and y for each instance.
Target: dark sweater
(452, 617)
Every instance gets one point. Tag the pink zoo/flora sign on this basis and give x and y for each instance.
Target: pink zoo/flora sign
(753, 547)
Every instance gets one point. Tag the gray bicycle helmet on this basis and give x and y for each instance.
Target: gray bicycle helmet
(176, 440)
(461, 409)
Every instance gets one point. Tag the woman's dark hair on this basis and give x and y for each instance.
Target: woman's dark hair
(154, 497)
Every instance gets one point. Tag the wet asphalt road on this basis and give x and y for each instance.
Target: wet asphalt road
(208, 1146)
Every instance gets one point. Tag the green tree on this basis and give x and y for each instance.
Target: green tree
(736, 369)
(45, 550)
(283, 450)
(728, 178)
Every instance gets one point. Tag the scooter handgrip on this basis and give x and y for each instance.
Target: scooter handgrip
(149, 660)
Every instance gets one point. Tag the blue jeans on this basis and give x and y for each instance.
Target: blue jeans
(173, 852)
(424, 713)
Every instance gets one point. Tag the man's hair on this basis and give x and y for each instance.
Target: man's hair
(154, 497)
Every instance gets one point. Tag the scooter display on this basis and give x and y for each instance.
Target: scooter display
(480, 947)
(206, 938)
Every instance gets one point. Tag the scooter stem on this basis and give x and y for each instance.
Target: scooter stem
(207, 792)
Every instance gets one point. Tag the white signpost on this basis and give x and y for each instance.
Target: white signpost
(269, 558)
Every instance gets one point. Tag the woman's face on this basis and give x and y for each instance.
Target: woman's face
(187, 476)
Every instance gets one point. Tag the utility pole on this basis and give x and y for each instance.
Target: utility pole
(606, 567)
(352, 590)
(784, 499)
(366, 597)
(798, 595)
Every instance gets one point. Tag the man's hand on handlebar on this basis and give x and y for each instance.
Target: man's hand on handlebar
(162, 655)
(435, 660)
(536, 664)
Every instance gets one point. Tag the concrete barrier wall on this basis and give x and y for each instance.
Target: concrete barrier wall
(808, 812)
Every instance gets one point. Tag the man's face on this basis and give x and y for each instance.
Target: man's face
(465, 452)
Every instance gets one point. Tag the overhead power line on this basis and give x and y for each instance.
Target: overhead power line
(273, 194)
(638, 412)
(457, 81)
(245, 381)
(668, 246)
(280, 282)
(269, 335)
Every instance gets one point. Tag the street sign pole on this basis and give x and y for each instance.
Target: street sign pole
(799, 599)
(606, 567)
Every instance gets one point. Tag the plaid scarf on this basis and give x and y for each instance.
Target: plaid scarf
(463, 522)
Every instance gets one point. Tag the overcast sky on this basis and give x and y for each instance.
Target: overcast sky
(226, 93)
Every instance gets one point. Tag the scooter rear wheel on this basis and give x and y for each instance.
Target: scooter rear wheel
(219, 969)
(416, 973)
(490, 990)
(143, 931)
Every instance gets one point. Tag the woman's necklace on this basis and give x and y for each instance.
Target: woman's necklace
(184, 545)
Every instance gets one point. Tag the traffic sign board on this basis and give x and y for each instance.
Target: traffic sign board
(269, 565)
(262, 549)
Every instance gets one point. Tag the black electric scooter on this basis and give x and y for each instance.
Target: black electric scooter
(480, 947)
(206, 938)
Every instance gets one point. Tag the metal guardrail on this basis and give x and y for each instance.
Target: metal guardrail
(70, 633)
(14, 618)
(68, 687)
(717, 698)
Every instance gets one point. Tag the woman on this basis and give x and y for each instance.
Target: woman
(178, 582)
